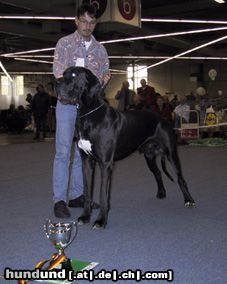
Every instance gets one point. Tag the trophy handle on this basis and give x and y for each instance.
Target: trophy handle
(74, 232)
(47, 227)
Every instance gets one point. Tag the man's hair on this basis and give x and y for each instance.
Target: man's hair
(86, 8)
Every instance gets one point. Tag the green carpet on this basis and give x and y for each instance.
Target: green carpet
(77, 266)
(209, 142)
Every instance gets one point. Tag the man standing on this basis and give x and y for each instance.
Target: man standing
(125, 97)
(147, 95)
(77, 49)
(40, 106)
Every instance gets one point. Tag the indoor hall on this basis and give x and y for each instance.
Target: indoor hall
(179, 49)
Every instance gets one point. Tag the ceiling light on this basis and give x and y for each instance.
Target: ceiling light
(124, 39)
(164, 35)
(28, 73)
(184, 21)
(137, 57)
(6, 73)
(164, 57)
(28, 51)
(33, 60)
(37, 18)
(62, 18)
(185, 52)
(220, 1)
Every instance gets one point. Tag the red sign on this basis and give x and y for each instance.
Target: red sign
(127, 8)
(100, 5)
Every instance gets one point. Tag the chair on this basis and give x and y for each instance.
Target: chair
(190, 130)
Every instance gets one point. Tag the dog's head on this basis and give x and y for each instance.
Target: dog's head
(78, 85)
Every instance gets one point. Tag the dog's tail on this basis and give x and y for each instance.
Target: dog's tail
(164, 168)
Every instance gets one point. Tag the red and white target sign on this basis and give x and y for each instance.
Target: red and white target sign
(100, 5)
(123, 11)
(127, 9)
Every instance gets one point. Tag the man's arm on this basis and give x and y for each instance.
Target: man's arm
(106, 75)
(60, 56)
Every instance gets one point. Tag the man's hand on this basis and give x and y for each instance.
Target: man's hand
(106, 79)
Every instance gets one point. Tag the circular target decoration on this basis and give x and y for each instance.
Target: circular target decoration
(127, 8)
(100, 6)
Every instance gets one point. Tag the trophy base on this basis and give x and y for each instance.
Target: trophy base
(67, 265)
(64, 265)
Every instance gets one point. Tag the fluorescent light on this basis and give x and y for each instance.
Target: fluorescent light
(6, 73)
(28, 73)
(32, 60)
(184, 21)
(125, 39)
(37, 18)
(220, 1)
(120, 71)
(164, 35)
(164, 57)
(136, 57)
(28, 51)
(185, 52)
(62, 18)
(34, 56)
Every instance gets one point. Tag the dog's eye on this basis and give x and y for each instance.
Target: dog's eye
(73, 74)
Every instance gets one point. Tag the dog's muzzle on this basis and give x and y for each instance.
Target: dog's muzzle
(62, 98)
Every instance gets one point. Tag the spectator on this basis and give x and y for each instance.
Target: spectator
(40, 107)
(147, 95)
(51, 118)
(12, 119)
(23, 119)
(164, 108)
(174, 102)
(29, 101)
(125, 97)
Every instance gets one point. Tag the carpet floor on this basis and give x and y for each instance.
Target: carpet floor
(142, 232)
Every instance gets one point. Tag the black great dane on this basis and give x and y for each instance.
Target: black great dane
(106, 135)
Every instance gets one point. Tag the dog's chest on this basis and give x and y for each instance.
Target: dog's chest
(85, 145)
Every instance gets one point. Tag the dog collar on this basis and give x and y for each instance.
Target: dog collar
(93, 110)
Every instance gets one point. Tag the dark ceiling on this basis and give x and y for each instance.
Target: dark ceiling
(22, 35)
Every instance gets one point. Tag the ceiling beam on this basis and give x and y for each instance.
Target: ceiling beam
(23, 30)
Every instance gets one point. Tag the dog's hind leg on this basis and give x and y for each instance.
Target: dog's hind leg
(106, 171)
(151, 162)
(175, 161)
(88, 175)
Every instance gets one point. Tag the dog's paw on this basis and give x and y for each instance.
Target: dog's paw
(99, 224)
(190, 204)
(161, 195)
(83, 219)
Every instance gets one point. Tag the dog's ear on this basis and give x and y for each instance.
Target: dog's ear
(94, 85)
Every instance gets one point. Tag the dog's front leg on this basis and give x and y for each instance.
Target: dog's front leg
(88, 177)
(105, 187)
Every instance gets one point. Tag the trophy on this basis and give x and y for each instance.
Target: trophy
(61, 235)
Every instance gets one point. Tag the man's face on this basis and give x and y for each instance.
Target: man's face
(143, 83)
(85, 25)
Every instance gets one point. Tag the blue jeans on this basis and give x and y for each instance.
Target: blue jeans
(65, 119)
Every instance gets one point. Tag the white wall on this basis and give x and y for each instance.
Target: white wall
(174, 78)
(30, 84)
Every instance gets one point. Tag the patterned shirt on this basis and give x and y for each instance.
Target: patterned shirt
(71, 49)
